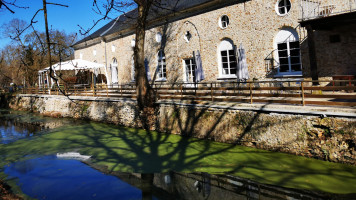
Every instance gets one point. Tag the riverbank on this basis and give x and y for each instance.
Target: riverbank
(325, 133)
(6, 193)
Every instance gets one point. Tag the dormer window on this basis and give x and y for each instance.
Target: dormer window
(283, 7)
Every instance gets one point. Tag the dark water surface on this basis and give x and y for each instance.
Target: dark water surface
(15, 125)
(49, 177)
(12, 130)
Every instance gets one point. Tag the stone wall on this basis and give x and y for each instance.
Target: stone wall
(333, 57)
(118, 112)
(255, 24)
(332, 139)
(329, 138)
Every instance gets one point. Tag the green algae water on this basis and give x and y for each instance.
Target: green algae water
(128, 152)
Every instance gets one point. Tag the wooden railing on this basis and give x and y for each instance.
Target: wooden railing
(329, 93)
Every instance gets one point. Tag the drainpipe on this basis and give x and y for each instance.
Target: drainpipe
(106, 61)
(312, 55)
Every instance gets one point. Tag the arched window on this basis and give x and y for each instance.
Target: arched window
(114, 74)
(161, 67)
(227, 60)
(288, 52)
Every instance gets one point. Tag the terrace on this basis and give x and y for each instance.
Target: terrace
(335, 93)
(314, 9)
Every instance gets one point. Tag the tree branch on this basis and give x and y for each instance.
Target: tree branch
(57, 4)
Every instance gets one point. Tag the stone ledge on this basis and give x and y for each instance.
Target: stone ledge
(273, 108)
(322, 111)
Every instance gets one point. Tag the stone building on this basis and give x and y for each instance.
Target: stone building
(275, 42)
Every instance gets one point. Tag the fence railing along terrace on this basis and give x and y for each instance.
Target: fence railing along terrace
(329, 93)
(310, 9)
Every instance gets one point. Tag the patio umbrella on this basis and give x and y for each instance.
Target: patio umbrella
(199, 73)
(242, 69)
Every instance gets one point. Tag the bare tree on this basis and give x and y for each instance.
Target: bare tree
(9, 5)
(146, 96)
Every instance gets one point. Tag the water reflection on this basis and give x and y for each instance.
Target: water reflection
(49, 177)
(11, 130)
(15, 125)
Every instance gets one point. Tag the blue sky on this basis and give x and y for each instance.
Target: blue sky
(79, 12)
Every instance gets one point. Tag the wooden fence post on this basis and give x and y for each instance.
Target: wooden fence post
(303, 101)
(211, 92)
(181, 91)
(251, 99)
(107, 90)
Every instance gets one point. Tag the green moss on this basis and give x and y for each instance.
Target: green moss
(342, 132)
(174, 114)
(84, 108)
(301, 136)
(242, 119)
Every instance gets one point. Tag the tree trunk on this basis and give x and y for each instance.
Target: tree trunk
(145, 93)
(51, 73)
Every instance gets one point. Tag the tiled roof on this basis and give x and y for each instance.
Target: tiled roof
(127, 20)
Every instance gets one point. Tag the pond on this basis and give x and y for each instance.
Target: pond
(71, 159)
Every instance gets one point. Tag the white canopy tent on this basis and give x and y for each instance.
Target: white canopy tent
(77, 64)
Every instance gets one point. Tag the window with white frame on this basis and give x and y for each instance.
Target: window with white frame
(288, 52)
(227, 60)
(190, 69)
(114, 73)
(283, 7)
(161, 67)
(224, 21)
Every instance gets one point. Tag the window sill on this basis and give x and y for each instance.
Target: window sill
(161, 80)
(227, 77)
(289, 75)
